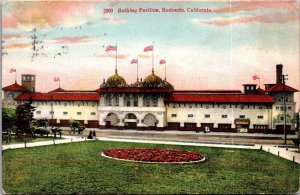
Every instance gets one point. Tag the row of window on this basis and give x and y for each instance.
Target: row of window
(132, 101)
(281, 108)
(64, 113)
(200, 105)
(223, 116)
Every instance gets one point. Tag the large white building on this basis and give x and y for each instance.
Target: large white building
(153, 103)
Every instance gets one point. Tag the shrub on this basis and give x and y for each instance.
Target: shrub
(41, 131)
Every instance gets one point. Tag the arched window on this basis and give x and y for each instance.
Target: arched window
(135, 101)
(155, 101)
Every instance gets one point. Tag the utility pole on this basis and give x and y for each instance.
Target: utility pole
(284, 77)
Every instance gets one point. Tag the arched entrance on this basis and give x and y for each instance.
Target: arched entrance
(130, 121)
(111, 120)
(150, 120)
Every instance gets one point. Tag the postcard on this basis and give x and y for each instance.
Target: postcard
(156, 97)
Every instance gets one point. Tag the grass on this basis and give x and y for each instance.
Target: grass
(79, 168)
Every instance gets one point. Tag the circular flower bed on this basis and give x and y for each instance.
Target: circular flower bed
(153, 155)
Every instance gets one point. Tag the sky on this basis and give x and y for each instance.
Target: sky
(220, 49)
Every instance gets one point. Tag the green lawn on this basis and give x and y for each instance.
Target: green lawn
(78, 167)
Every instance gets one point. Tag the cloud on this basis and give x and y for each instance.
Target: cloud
(72, 40)
(237, 6)
(11, 36)
(278, 18)
(112, 19)
(17, 45)
(145, 56)
(43, 14)
(112, 55)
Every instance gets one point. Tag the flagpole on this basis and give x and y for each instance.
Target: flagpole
(16, 76)
(137, 69)
(153, 57)
(59, 83)
(165, 69)
(116, 59)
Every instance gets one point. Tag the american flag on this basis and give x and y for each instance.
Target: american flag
(56, 79)
(162, 61)
(111, 48)
(148, 48)
(134, 61)
(12, 70)
(255, 77)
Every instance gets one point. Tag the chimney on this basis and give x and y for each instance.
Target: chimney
(279, 73)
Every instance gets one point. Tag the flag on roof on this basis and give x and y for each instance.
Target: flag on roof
(56, 79)
(134, 61)
(12, 70)
(255, 77)
(111, 48)
(148, 48)
(162, 61)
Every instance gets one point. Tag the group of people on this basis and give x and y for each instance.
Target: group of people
(206, 130)
(92, 135)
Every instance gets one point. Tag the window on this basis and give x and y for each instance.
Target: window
(127, 101)
(282, 118)
(190, 115)
(277, 107)
(65, 113)
(224, 116)
(260, 117)
(207, 116)
(242, 116)
(173, 115)
(38, 112)
(117, 100)
(51, 112)
(135, 101)
(78, 113)
(281, 108)
(289, 108)
(155, 101)
(93, 113)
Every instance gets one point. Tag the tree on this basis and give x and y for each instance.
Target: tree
(24, 119)
(75, 126)
(8, 121)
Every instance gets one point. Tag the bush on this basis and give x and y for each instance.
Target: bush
(41, 131)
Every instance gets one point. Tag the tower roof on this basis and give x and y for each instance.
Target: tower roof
(115, 81)
(14, 87)
(152, 80)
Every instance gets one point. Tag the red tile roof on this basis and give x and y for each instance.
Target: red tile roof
(59, 96)
(224, 98)
(57, 90)
(14, 87)
(134, 90)
(207, 91)
(279, 88)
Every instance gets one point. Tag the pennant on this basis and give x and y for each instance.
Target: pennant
(134, 61)
(111, 48)
(12, 70)
(56, 79)
(162, 61)
(148, 48)
(255, 77)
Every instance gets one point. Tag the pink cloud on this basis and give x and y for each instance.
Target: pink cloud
(46, 13)
(112, 19)
(236, 6)
(78, 39)
(112, 55)
(274, 18)
(17, 45)
(11, 36)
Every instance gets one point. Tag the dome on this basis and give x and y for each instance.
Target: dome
(168, 85)
(115, 81)
(152, 80)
